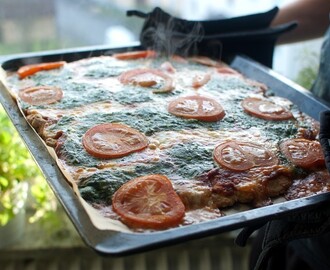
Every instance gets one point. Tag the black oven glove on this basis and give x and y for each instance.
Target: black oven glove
(315, 222)
(158, 18)
(312, 224)
(324, 136)
(250, 35)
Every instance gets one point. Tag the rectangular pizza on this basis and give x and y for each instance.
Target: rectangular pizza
(150, 142)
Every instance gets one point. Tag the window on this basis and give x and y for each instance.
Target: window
(38, 25)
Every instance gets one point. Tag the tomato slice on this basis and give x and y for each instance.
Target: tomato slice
(113, 140)
(168, 67)
(303, 153)
(135, 55)
(29, 70)
(199, 81)
(197, 107)
(146, 77)
(227, 70)
(241, 156)
(148, 202)
(40, 95)
(206, 61)
(178, 59)
(265, 109)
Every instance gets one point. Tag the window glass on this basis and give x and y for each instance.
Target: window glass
(39, 25)
(36, 25)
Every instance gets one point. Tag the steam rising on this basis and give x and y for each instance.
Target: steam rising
(174, 36)
(165, 37)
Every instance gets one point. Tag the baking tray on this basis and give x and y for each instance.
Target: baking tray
(111, 243)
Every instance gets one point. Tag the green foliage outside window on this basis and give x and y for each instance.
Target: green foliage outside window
(308, 72)
(18, 171)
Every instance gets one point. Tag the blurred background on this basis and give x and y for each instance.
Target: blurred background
(37, 25)
(48, 240)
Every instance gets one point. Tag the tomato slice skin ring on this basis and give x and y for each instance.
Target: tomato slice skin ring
(148, 202)
(303, 153)
(130, 77)
(29, 70)
(193, 107)
(241, 156)
(113, 140)
(265, 109)
(206, 61)
(241, 164)
(40, 95)
(132, 55)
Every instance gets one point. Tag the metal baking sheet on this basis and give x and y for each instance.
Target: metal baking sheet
(118, 243)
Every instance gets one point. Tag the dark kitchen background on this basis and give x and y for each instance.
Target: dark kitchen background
(49, 240)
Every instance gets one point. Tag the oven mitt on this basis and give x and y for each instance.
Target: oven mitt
(279, 232)
(324, 136)
(313, 222)
(220, 39)
(159, 18)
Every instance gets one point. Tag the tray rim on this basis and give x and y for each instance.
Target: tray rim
(114, 243)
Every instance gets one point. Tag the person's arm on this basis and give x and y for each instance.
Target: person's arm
(312, 17)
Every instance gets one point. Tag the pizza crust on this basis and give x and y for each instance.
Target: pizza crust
(207, 190)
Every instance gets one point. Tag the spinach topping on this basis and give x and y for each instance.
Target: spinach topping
(191, 159)
(183, 160)
(150, 120)
(98, 72)
(100, 187)
(133, 95)
(186, 161)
